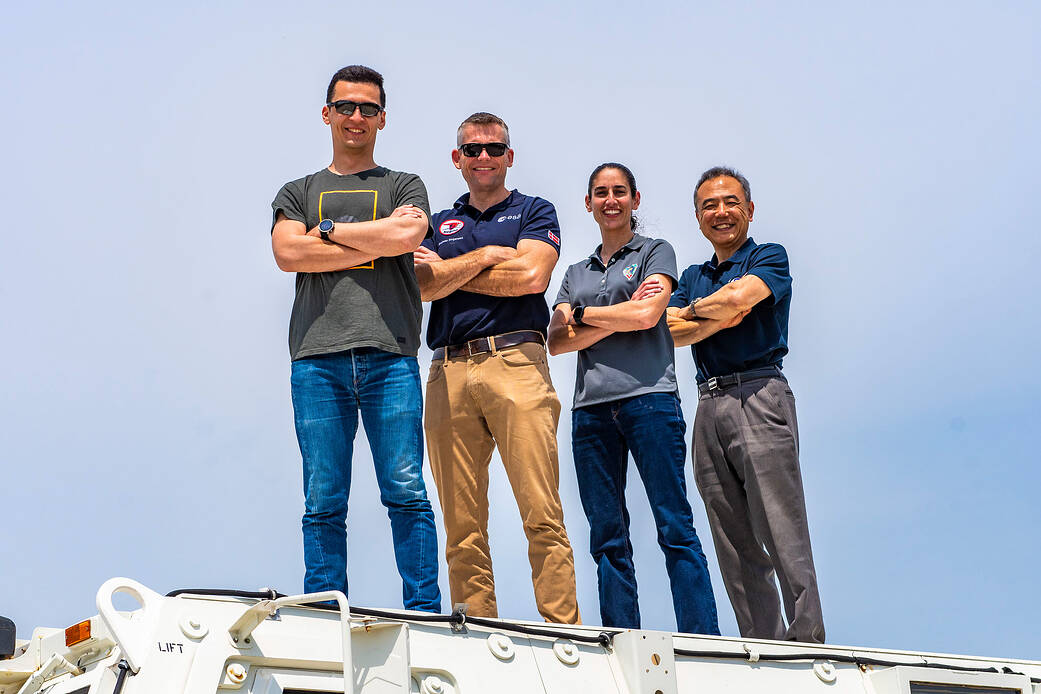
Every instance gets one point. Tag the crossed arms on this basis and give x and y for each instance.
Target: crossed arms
(640, 312)
(299, 249)
(724, 308)
(490, 270)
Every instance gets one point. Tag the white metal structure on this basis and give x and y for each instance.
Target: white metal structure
(208, 642)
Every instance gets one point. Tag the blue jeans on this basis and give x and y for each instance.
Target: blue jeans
(652, 427)
(328, 392)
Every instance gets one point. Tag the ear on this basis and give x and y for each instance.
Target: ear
(636, 200)
(382, 120)
(589, 208)
(325, 115)
(457, 159)
(751, 210)
(509, 158)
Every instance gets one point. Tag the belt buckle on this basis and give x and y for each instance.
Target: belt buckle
(713, 383)
(477, 342)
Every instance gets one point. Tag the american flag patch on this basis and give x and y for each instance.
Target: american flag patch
(553, 237)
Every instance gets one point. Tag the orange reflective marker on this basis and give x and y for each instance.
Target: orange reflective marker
(77, 633)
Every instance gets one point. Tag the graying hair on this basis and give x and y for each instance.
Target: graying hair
(716, 172)
(482, 118)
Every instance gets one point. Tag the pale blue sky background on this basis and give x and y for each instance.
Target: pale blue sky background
(145, 423)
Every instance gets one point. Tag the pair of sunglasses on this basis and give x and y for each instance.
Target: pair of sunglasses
(474, 149)
(346, 108)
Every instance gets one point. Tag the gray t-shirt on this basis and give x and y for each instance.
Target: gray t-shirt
(372, 305)
(622, 365)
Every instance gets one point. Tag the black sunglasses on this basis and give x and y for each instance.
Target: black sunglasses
(474, 149)
(345, 107)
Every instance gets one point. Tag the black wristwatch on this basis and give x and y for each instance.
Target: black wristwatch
(324, 227)
(577, 314)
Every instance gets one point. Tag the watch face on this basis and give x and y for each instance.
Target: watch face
(325, 225)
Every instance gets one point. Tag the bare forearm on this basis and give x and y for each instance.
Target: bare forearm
(439, 279)
(729, 300)
(689, 332)
(511, 278)
(572, 338)
(385, 237)
(309, 254)
(625, 316)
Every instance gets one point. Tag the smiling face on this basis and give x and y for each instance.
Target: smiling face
(723, 212)
(484, 173)
(612, 202)
(355, 132)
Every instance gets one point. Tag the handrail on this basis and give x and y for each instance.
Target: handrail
(254, 615)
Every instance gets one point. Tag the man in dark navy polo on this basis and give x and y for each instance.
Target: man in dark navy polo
(733, 311)
(485, 270)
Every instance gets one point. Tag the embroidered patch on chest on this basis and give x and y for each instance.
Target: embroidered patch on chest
(450, 226)
(629, 272)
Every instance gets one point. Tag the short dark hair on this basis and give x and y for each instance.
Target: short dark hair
(633, 222)
(357, 73)
(482, 118)
(716, 172)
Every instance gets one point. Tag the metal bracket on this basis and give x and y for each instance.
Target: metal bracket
(458, 622)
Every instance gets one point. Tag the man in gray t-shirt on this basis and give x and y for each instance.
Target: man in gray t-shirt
(348, 231)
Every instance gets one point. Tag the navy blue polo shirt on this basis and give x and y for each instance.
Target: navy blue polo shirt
(462, 316)
(761, 339)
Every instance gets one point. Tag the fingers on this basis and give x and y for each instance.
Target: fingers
(423, 256)
(407, 211)
(652, 286)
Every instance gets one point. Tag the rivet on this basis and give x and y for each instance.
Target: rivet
(237, 673)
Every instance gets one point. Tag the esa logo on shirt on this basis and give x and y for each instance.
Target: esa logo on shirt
(629, 272)
(450, 226)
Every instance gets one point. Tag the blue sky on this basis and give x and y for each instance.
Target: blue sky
(145, 423)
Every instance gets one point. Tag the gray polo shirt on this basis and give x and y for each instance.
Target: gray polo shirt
(626, 364)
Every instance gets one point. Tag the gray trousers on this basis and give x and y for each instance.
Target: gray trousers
(746, 465)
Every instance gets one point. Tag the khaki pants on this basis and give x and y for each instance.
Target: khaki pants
(502, 398)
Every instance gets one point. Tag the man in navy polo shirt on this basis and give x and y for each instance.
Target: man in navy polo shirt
(733, 311)
(485, 270)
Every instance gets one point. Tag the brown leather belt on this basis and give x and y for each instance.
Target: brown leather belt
(483, 345)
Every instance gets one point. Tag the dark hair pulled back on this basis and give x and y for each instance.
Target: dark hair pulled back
(633, 222)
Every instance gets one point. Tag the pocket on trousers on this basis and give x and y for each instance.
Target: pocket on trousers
(525, 354)
(437, 371)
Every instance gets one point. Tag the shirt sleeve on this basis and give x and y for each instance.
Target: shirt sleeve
(770, 264)
(564, 295)
(290, 202)
(411, 191)
(681, 297)
(541, 223)
(661, 260)
(431, 239)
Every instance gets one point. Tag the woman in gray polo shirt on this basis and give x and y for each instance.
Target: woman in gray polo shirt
(611, 309)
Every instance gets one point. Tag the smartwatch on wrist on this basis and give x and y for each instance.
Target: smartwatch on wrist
(324, 227)
(577, 314)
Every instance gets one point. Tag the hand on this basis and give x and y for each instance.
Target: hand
(735, 320)
(494, 255)
(424, 256)
(651, 286)
(566, 313)
(408, 211)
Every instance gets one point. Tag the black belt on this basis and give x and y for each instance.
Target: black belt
(483, 345)
(721, 382)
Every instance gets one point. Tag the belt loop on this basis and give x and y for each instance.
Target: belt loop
(444, 357)
(491, 344)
